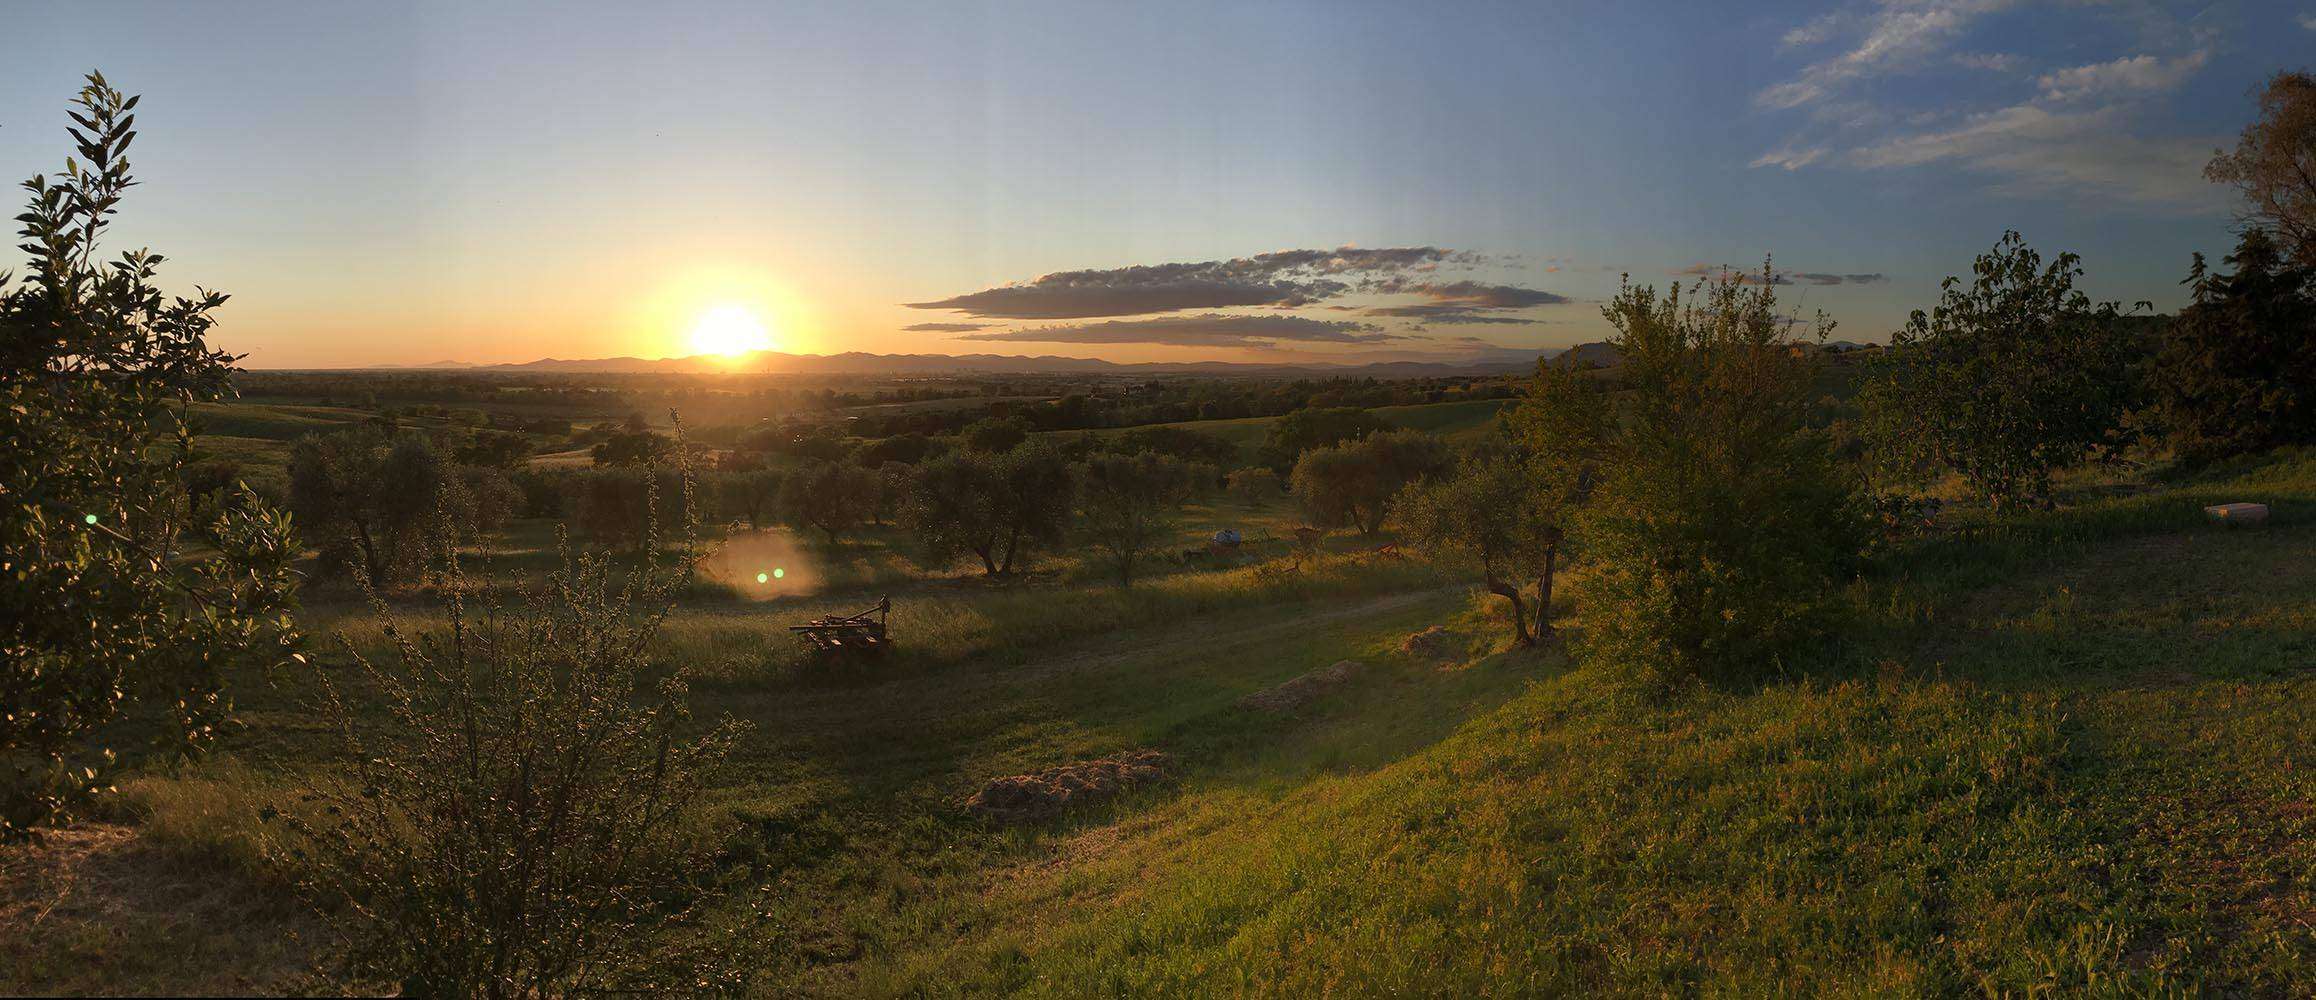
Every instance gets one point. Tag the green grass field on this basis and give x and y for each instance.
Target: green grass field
(2063, 754)
(272, 421)
(1458, 422)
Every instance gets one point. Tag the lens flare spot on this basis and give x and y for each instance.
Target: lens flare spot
(90, 518)
(760, 578)
(779, 573)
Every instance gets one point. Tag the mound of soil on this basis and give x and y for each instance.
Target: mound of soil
(1300, 691)
(1031, 798)
(1434, 643)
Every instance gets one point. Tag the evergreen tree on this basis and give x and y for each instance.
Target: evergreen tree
(2237, 371)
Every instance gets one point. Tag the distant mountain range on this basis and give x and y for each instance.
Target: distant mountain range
(1494, 362)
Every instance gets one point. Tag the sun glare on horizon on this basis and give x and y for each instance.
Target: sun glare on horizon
(731, 331)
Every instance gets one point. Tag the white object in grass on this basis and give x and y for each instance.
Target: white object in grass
(2238, 513)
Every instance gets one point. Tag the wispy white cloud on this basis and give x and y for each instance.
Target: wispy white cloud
(2138, 74)
(1817, 31)
(1899, 35)
(1993, 62)
(2037, 150)
(2080, 132)
(2308, 21)
(1790, 158)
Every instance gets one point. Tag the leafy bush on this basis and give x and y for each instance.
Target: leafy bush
(1720, 526)
(103, 617)
(2007, 381)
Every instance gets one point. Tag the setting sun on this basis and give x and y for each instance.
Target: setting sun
(731, 331)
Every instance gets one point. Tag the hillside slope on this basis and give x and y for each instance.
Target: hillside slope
(2076, 758)
(2068, 754)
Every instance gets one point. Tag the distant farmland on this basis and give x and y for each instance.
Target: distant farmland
(1458, 421)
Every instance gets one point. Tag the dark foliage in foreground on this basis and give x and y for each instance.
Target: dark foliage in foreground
(101, 615)
(2237, 372)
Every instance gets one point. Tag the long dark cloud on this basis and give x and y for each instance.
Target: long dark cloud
(1780, 277)
(1210, 330)
(1462, 301)
(1443, 312)
(1473, 294)
(1285, 278)
(947, 327)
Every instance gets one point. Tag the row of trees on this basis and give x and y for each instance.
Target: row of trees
(2018, 374)
(1699, 483)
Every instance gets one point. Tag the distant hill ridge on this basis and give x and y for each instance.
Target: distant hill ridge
(860, 363)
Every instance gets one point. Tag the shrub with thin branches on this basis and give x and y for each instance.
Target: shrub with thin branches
(523, 824)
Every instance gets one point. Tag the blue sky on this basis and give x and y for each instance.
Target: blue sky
(505, 182)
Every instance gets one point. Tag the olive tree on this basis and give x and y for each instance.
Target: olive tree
(1128, 503)
(1511, 506)
(1354, 482)
(1254, 485)
(750, 493)
(1315, 427)
(373, 501)
(995, 435)
(114, 635)
(833, 497)
(988, 505)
